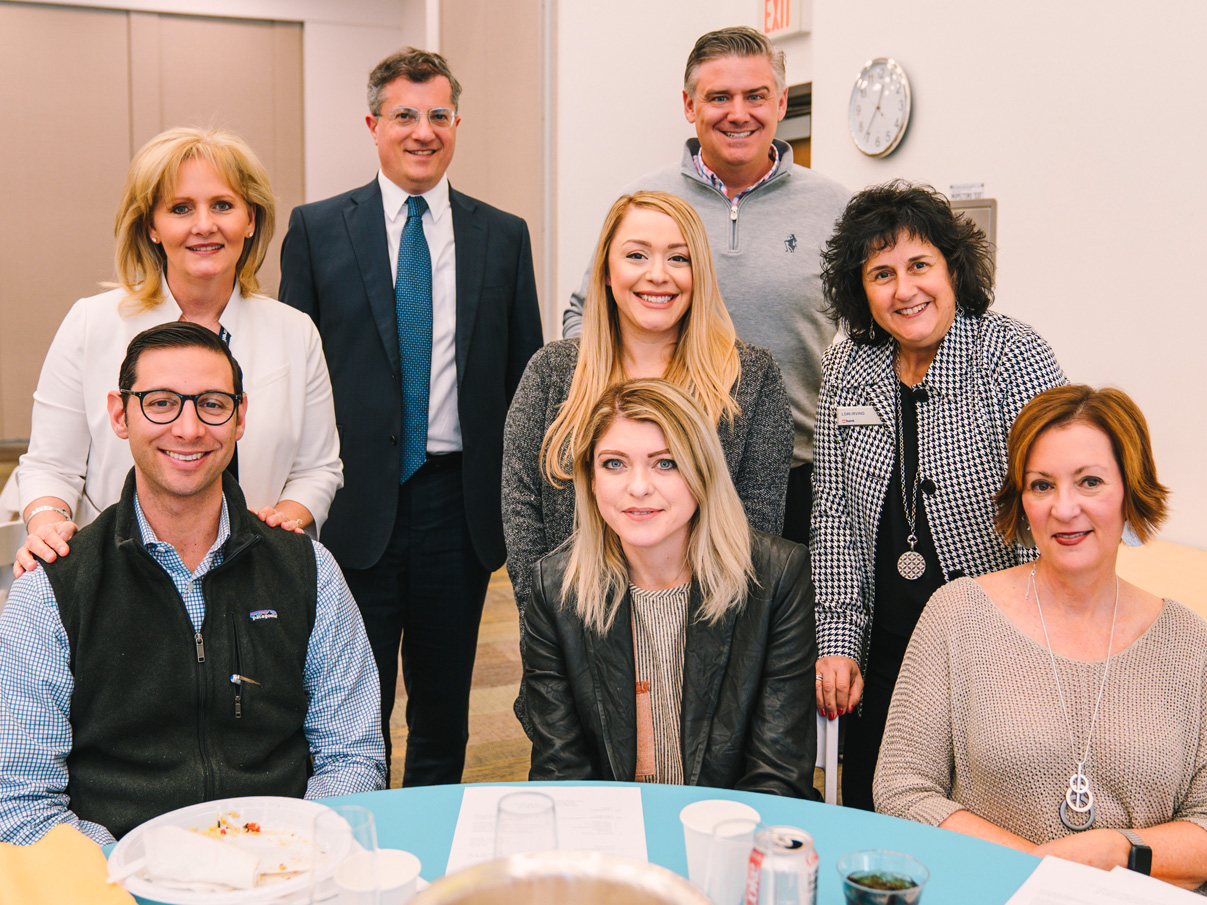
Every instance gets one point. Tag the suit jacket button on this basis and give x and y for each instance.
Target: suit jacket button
(928, 487)
(393, 440)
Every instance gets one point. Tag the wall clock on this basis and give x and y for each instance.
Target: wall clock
(879, 110)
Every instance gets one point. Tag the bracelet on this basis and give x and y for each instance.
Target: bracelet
(59, 509)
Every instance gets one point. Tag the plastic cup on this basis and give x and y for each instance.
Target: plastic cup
(729, 860)
(389, 881)
(700, 819)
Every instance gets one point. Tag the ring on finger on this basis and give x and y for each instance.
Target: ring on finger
(819, 677)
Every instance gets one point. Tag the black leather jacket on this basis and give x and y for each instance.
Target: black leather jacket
(748, 713)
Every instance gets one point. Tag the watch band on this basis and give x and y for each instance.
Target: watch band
(1140, 858)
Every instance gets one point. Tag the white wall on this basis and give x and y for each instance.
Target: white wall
(619, 107)
(341, 43)
(1082, 121)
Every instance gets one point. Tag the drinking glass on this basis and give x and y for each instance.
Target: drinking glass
(341, 832)
(728, 860)
(881, 877)
(526, 822)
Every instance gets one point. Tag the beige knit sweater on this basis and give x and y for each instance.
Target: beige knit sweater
(976, 723)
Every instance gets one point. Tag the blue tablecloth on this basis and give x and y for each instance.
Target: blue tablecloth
(963, 870)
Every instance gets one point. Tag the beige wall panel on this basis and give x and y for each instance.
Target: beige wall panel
(64, 93)
(494, 49)
(242, 75)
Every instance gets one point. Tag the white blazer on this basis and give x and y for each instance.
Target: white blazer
(289, 450)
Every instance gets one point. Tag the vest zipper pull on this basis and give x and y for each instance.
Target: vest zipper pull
(200, 642)
(733, 211)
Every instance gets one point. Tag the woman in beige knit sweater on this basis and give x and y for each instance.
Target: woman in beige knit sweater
(1053, 707)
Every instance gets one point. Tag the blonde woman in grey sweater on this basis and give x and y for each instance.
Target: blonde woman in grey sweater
(1053, 707)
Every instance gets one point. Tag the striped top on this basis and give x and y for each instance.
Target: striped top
(659, 642)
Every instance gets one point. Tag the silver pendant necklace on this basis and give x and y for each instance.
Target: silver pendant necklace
(910, 564)
(1080, 797)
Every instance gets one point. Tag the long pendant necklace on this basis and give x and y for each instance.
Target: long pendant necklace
(1080, 797)
(910, 564)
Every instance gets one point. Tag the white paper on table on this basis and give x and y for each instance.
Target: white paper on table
(1060, 882)
(589, 818)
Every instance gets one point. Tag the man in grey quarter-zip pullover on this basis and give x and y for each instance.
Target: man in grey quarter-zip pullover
(767, 221)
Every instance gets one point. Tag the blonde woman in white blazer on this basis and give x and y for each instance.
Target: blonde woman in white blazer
(193, 227)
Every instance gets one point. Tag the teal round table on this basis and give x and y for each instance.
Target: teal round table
(963, 870)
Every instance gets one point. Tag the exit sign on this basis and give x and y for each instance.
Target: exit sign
(786, 17)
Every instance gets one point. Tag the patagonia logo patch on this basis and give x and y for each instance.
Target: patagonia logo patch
(257, 615)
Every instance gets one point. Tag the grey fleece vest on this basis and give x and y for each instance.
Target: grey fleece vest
(154, 717)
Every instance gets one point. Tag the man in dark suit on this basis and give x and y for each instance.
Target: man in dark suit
(426, 302)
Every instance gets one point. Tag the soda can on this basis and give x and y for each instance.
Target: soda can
(782, 868)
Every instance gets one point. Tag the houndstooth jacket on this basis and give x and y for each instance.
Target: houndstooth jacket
(987, 368)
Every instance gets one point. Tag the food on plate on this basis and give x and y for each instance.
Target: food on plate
(232, 852)
(228, 825)
(176, 855)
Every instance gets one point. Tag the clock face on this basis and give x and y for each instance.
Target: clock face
(879, 109)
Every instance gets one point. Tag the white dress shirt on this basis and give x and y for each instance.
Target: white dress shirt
(443, 423)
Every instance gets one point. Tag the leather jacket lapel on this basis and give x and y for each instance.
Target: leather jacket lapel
(705, 661)
(612, 664)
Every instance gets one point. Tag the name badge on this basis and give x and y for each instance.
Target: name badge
(849, 415)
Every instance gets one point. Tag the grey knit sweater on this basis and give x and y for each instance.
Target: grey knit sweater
(976, 723)
(768, 258)
(537, 516)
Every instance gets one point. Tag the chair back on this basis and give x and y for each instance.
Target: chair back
(12, 536)
(827, 755)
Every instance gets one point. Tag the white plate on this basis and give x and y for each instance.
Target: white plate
(279, 815)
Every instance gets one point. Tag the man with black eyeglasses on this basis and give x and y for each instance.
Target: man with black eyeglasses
(185, 651)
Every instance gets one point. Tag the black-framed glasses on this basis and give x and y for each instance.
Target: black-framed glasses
(213, 407)
(408, 117)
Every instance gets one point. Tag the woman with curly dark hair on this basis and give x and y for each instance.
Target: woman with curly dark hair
(915, 408)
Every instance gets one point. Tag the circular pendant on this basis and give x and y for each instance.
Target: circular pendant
(911, 565)
(1079, 799)
(1076, 828)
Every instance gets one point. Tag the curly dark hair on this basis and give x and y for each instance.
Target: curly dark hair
(872, 222)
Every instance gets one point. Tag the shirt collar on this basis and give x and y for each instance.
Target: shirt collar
(153, 543)
(715, 180)
(394, 198)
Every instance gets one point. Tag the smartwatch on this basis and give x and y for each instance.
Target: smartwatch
(1140, 858)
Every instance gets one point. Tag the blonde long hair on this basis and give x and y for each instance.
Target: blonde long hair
(705, 361)
(152, 177)
(718, 551)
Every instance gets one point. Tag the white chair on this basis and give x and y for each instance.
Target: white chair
(827, 755)
(12, 536)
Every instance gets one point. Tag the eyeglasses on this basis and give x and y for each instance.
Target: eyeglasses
(213, 407)
(408, 117)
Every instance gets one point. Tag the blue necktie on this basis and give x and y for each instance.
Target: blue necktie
(413, 304)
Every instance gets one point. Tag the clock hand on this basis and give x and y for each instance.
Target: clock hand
(879, 95)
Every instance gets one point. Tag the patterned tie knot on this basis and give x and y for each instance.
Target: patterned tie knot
(416, 205)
